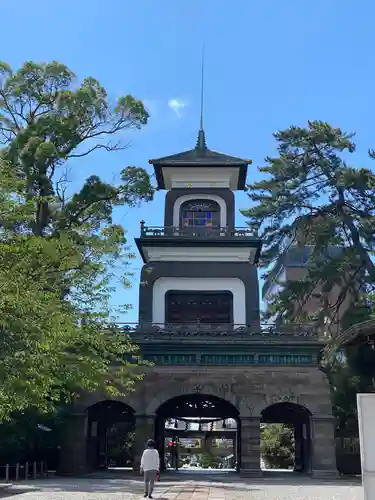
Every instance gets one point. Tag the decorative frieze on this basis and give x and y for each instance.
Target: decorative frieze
(172, 359)
(231, 359)
(285, 359)
(227, 359)
(288, 397)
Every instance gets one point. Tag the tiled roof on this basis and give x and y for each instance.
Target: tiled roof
(200, 155)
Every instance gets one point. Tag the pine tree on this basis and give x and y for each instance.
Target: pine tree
(312, 196)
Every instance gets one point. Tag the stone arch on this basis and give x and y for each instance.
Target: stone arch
(285, 407)
(206, 405)
(274, 398)
(175, 391)
(307, 387)
(117, 408)
(297, 419)
(202, 196)
(95, 398)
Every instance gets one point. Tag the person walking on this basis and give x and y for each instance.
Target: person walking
(150, 465)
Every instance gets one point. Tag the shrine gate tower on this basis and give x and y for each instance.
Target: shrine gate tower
(199, 324)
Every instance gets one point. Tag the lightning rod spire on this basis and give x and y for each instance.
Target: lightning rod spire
(201, 142)
(202, 88)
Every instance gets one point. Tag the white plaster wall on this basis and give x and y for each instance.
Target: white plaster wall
(194, 254)
(202, 176)
(191, 197)
(234, 285)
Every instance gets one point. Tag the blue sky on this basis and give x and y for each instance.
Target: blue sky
(269, 64)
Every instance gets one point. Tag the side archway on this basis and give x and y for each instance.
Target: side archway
(132, 400)
(295, 425)
(110, 434)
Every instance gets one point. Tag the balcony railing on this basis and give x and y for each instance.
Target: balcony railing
(192, 330)
(199, 231)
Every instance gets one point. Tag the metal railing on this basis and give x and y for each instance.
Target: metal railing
(26, 470)
(193, 232)
(198, 329)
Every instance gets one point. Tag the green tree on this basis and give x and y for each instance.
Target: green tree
(23, 440)
(207, 460)
(345, 386)
(277, 446)
(312, 196)
(59, 250)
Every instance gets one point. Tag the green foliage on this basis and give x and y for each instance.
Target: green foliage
(311, 196)
(21, 439)
(345, 386)
(277, 446)
(316, 206)
(208, 460)
(120, 445)
(44, 122)
(361, 359)
(59, 253)
(53, 346)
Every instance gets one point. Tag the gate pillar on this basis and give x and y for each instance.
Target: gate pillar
(250, 446)
(144, 430)
(73, 456)
(324, 449)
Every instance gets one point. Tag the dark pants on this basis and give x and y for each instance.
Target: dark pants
(150, 477)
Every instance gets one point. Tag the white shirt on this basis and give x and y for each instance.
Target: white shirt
(150, 459)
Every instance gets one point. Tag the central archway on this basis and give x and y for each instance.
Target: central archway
(198, 430)
(295, 426)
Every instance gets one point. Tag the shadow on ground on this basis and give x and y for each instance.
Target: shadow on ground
(127, 482)
(105, 485)
(207, 478)
(12, 491)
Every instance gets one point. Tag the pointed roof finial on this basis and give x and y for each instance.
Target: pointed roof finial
(201, 142)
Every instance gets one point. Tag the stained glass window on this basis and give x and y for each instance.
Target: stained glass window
(200, 214)
(197, 219)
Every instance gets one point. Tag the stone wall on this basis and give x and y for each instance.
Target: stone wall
(250, 389)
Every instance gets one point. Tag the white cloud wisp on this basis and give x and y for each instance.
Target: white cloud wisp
(177, 106)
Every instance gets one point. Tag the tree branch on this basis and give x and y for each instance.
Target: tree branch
(107, 147)
(9, 110)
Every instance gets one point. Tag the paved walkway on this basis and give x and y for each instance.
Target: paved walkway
(184, 489)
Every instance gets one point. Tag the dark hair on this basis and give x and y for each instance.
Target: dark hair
(150, 443)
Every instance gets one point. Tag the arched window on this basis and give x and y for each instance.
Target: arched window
(200, 215)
